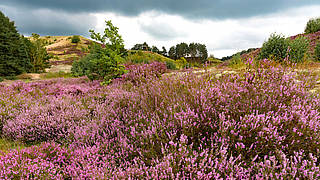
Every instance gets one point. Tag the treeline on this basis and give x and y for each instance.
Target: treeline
(192, 50)
(19, 54)
(145, 47)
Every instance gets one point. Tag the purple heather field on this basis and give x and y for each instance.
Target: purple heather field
(261, 123)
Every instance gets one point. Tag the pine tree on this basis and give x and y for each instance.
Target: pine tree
(13, 53)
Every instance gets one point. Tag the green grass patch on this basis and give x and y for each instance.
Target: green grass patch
(6, 145)
(60, 74)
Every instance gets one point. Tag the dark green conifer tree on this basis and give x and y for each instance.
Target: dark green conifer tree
(13, 52)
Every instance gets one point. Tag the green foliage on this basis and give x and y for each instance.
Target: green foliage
(182, 50)
(37, 53)
(213, 61)
(298, 49)
(276, 48)
(155, 49)
(171, 65)
(203, 52)
(137, 57)
(103, 63)
(313, 25)
(237, 62)
(143, 47)
(195, 50)
(60, 74)
(6, 145)
(10, 77)
(75, 39)
(164, 52)
(182, 63)
(172, 52)
(317, 52)
(13, 55)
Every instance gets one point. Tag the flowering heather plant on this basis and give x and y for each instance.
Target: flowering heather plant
(259, 124)
(140, 73)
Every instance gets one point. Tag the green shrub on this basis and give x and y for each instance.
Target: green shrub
(313, 25)
(10, 77)
(236, 61)
(214, 61)
(75, 39)
(278, 48)
(275, 48)
(182, 62)
(84, 66)
(317, 52)
(60, 74)
(1, 79)
(171, 65)
(37, 53)
(103, 63)
(138, 57)
(298, 49)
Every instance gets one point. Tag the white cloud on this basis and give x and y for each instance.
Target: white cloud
(222, 37)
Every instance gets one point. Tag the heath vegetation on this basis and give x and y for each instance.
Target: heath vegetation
(120, 115)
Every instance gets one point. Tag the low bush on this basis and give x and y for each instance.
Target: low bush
(75, 39)
(236, 61)
(313, 25)
(171, 65)
(298, 49)
(104, 61)
(278, 48)
(275, 47)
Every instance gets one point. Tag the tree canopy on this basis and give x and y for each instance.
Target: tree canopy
(13, 52)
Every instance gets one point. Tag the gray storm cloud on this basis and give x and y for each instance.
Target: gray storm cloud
(211, 9)
(49, 22)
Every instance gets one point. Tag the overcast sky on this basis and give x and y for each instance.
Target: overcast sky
(225, 26)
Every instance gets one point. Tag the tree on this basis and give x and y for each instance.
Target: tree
(164, 51)
(13, 53)
(182, 50)
(193, 49)
(145, 47)
(37, 53)
(155, 49)
(203, 52)
(103, 62)
(172, 52)
(198, 50)
(313, 25)
(137, 47)
(275, 47)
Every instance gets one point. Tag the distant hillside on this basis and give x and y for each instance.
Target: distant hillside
(135, 56)
(64, 51)
(314, 38)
